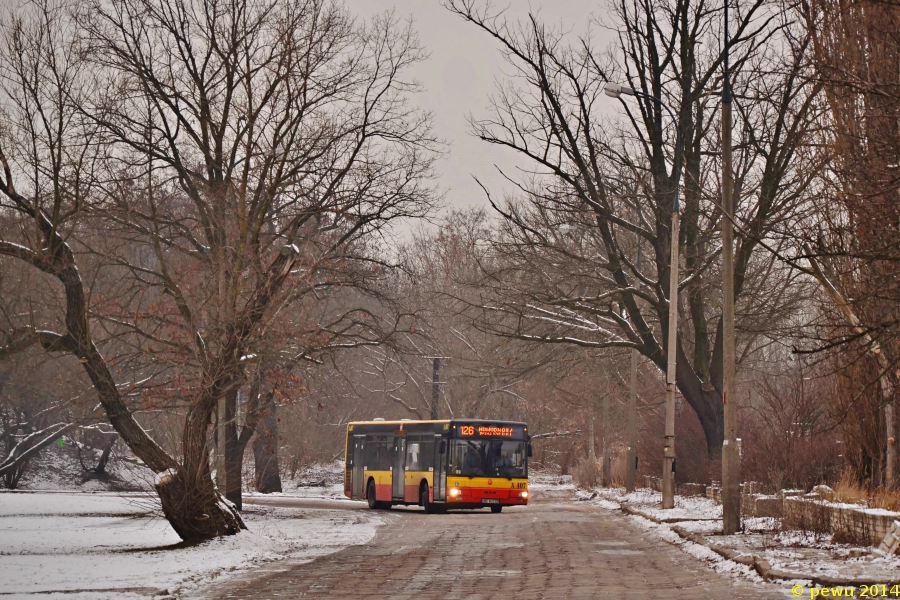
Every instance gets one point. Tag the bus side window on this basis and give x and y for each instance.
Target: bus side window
(426, 457)
(383, 461)
(376, 453)
(370, 449)
(413, 454)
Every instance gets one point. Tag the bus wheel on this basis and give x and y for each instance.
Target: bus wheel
(370, 496)
(423, 499)
(496, 509)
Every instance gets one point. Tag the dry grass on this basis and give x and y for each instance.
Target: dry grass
(587, 474)
(849, 491)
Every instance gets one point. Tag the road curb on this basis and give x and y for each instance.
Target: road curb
(760, 565)
(633, 511)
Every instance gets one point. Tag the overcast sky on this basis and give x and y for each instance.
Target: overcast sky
(459, 76)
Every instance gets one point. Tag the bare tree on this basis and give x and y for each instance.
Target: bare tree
(26, 428)
(855, 245)
(611, 184)
(788, 432)
(242, 147)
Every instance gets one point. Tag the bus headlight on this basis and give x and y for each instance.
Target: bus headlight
(524, 493)
(454, 492)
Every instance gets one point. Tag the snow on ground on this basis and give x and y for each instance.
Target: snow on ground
(649, 502)
(698, 551)
(98, 546)
(318, 481)
(798, 553)
(59, 469)
(810, 554)
(538, 480)
(28, 504)
(697, 511)
(330, 491)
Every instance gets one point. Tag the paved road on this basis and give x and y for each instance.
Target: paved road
(552, 549)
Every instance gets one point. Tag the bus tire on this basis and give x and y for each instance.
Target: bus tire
(423, 499)
(370, 496)
(496, 509)
(373, 503)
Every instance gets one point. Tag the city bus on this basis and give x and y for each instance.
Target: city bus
(439, 465)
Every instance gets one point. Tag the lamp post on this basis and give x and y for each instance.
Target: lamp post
(615, 90)
(731, 467)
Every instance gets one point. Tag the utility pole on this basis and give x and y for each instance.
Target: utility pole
(731, 467)
(668, 477)
(435, 387)
(615, 90)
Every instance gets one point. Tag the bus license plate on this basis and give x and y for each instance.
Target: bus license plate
(490, 501)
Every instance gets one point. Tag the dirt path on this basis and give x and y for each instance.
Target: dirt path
(552, 549)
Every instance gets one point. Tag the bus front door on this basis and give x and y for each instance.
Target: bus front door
(398, 476)
(358, 473)
(440, 468)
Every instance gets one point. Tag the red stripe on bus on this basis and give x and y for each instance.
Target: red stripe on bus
(383, 492)
(411, 493)
(473, 494)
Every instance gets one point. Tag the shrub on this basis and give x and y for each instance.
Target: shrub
(849, 491)
(587, 474)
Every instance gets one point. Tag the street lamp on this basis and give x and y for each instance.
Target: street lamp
(615, 90)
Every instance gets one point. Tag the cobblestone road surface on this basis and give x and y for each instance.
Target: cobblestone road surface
(552, 549)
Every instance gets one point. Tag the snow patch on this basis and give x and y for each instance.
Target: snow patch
(113, 545)
(164, 477)
(698, 551)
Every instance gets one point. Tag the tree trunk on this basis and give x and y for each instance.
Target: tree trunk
(890, 452)
(194, 508)
(12, 475)
(190, 501)
(104, 458)
(708, 407)
(236, 439)
(100, 469)
(265, 450)
(234, 455)
(706, 401)
(14, 465)
(704, 397)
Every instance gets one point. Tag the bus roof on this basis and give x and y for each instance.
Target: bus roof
(452, 421)
(395, 422)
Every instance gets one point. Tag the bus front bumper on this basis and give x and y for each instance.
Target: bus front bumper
(480, 497)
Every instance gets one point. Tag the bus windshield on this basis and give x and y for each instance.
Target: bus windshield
(488, 458)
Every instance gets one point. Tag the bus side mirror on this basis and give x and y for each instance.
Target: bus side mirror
(530, 451)
(442, 448)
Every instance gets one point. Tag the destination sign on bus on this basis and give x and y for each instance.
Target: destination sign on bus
(486, 430)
